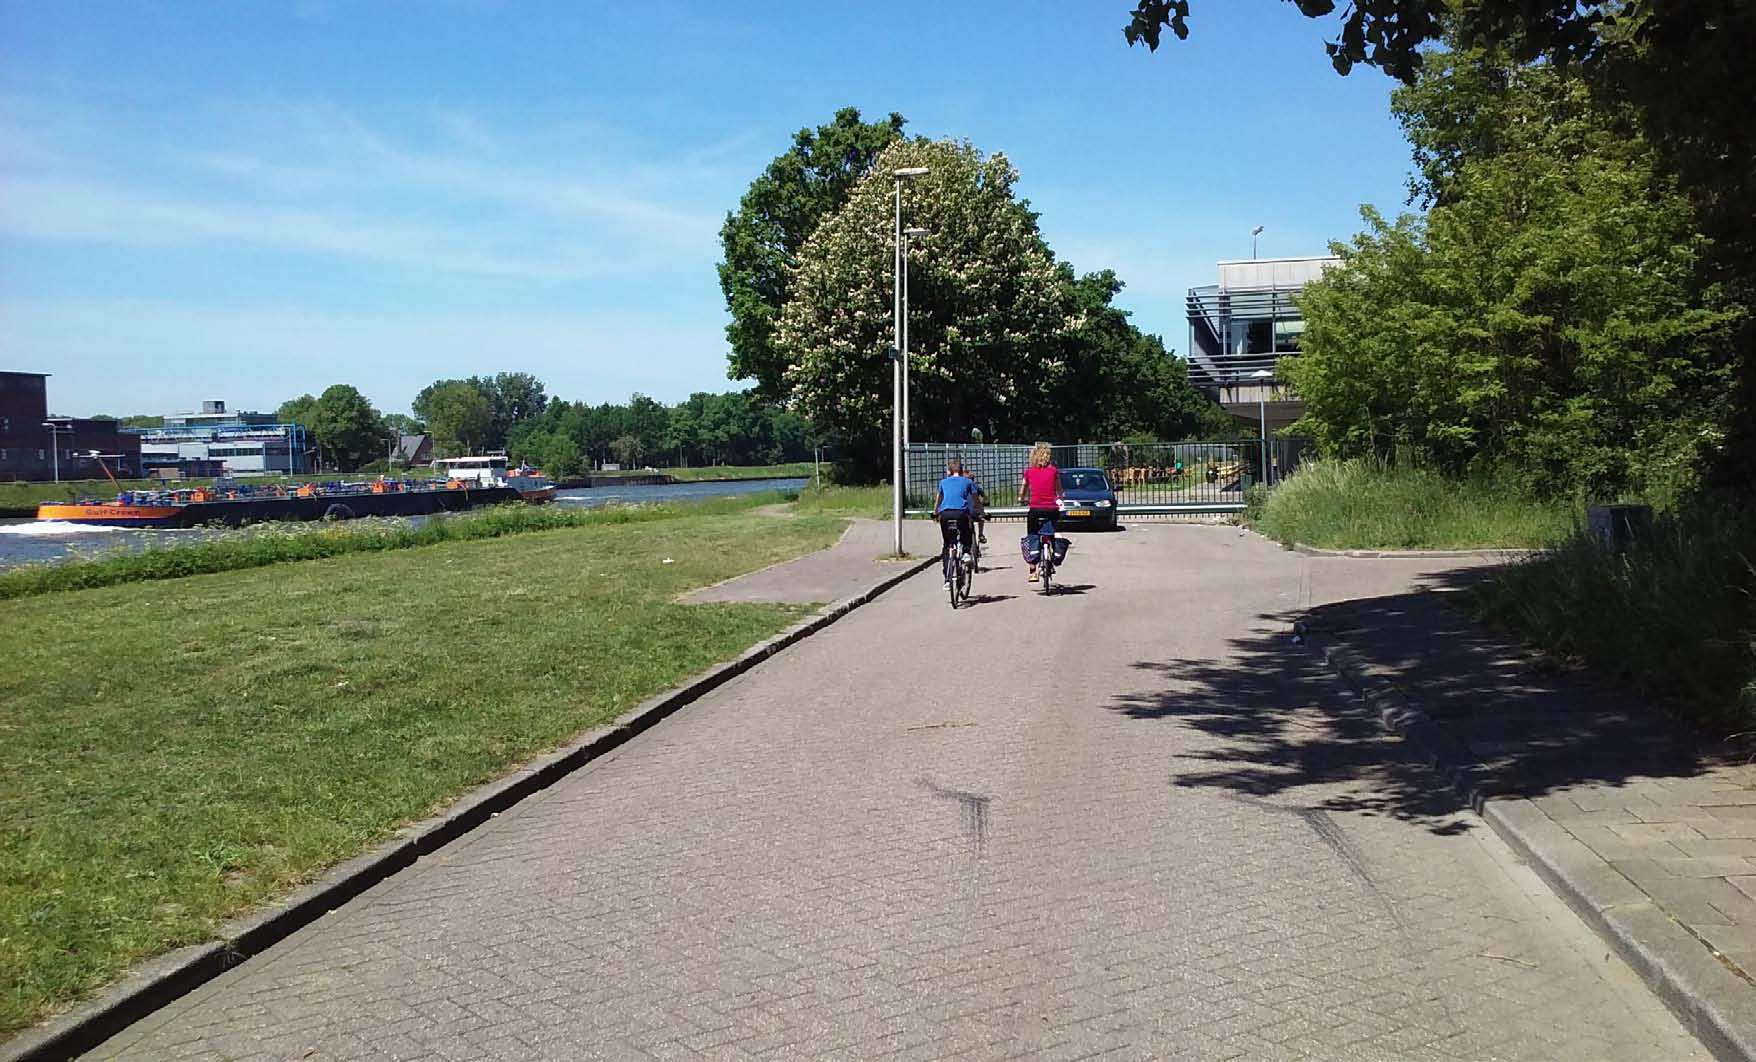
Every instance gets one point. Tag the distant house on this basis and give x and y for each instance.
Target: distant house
(413, 450)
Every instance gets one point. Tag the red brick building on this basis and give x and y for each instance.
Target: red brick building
(34, 445)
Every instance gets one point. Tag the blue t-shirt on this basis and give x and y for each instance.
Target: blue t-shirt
(956, 492)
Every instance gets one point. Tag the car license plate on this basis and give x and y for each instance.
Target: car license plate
(1079, 512)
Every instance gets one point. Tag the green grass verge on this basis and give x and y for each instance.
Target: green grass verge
(869, 502)
(277, 543)
(171, 756)
(1673, 617)
(1370, 505)
(789, 471)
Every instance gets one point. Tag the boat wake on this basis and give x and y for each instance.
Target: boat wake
(56, 528)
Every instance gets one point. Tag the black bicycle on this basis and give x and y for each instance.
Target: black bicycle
(957, 574)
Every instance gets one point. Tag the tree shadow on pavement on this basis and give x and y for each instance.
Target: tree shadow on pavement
(1282, 722)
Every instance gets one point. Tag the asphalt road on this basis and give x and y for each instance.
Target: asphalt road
(1131, 820)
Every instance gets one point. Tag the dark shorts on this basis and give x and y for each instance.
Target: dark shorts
(1034, 519)
(951, 521)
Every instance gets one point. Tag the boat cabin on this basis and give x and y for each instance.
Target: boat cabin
(486, 471)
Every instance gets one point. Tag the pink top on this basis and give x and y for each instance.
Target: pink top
(1042, 487)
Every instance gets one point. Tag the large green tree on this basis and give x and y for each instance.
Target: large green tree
(783, 206)
(457, 414)
(1683, 69)
(989, 306)
(347, 431)
(512, 397)
(1546, 312)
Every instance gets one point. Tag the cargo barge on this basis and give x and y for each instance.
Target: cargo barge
(469, 483)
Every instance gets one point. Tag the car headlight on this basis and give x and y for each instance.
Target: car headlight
(1102, 503)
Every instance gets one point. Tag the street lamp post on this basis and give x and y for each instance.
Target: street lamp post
(54, 447)
(1255, 232)
(1262, 377)
(896, 414)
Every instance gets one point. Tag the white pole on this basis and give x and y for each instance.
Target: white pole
(55, 450)
(896, 383)
(1262, 410)
(906, 243)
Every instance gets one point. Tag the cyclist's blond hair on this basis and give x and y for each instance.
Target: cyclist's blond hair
(1040, 456)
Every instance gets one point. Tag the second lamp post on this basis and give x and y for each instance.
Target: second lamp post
(896, 368)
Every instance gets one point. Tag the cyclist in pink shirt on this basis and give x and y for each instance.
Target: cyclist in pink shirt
(1040, 492)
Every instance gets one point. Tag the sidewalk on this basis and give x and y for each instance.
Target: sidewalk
(1640, 823)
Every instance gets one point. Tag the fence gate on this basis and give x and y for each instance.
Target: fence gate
(1150, 479)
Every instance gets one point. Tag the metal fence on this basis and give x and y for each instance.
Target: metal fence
(1149, 479)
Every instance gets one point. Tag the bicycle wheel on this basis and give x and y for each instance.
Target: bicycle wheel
(956, 581)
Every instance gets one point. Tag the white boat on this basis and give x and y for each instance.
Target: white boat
(493, 470)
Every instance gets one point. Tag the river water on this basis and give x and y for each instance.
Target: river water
(27, 541)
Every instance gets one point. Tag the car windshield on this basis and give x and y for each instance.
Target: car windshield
(1084, 479)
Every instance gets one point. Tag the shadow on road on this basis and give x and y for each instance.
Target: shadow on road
(1284, 722)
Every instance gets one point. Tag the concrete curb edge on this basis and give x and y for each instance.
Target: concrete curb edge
(160, 980)
(1712, 1002)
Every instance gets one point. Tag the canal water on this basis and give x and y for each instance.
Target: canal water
(27, 541)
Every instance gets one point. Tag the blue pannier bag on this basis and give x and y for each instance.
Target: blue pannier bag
(1031, 547)
(1061, 545)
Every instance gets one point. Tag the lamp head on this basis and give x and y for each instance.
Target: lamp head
(911, 171)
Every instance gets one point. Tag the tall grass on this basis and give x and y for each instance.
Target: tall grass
(871, 502)
(275, 543)
(1674, 616)
(1363, 504)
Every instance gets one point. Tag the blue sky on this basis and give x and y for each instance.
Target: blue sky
(251, 201)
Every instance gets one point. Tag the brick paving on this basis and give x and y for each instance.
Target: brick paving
(1673, 813)
(1128, 821)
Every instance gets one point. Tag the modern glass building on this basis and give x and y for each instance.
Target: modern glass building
(1240, 327)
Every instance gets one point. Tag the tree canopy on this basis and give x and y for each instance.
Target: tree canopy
(782, 208)
(457, 414)
(1680, 67)
(1545, 312)
(1003, 339)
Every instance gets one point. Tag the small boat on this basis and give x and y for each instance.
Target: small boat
(494, 470)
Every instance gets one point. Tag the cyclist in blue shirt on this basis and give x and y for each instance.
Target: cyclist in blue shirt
(953, 505)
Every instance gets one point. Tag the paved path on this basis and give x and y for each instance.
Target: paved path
(851, 566)
(1129, 821)
(1673, 813)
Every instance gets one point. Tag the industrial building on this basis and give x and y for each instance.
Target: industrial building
(1240, 327)
(37, 446)
(245, 443)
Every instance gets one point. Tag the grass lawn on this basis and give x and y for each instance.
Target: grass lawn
(790, 471)
(1366, 505)
(873, 503)
(174, 753)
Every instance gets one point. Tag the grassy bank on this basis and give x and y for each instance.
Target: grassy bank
(1369, 505)
(869, 502)
(277, 543)
(1673, 617)
(796, 470)
(175, 754)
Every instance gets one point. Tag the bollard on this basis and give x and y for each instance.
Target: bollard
(1617, 526)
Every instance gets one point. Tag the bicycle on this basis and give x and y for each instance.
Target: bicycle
(1046, 543)
(957, 575)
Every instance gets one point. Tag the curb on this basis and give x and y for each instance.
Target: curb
(163, 979)
(1715, 1004)
(1415, 554)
